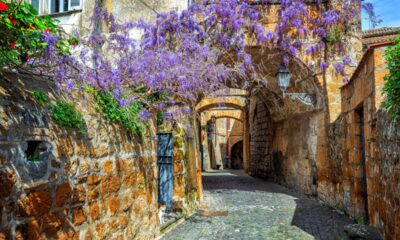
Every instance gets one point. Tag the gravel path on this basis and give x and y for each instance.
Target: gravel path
(237, 206)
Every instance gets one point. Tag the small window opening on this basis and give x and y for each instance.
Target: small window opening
(35, 150)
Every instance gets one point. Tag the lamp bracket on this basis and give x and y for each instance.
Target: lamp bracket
(305, 98)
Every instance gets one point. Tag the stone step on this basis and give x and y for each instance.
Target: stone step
(363, 232)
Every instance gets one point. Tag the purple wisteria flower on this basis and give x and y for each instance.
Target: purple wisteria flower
(184, 56)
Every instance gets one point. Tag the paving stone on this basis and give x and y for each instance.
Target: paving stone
(258, 209)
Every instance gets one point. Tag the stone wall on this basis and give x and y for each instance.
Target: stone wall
(369, 184)
(294, 152)
(384, 186)
(261, 138)
(285, 150)
(101, 184)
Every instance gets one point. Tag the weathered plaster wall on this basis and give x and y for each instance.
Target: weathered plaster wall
(286, 150)
(123, 10)
(98, 185)
(294, 152)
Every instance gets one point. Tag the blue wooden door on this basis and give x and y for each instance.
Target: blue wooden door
(165, 155)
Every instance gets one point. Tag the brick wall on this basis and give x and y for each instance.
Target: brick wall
(98, 185)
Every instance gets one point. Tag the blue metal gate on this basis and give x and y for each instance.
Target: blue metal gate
(165, 154)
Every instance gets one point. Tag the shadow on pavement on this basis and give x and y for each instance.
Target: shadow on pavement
(311, 216)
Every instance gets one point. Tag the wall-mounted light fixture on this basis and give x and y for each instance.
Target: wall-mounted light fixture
(284, 77)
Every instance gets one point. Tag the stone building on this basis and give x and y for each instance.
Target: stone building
(369, 166)
(104, 185)
(99, 184)
(316, 149)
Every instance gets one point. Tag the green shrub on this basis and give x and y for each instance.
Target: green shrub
(392, 81)
(64, 114)
(33, 159)
(40, 97)
(128, 116)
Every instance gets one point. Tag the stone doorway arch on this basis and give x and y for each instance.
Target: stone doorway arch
(229, 104)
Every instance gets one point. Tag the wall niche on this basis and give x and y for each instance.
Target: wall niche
(36, 159)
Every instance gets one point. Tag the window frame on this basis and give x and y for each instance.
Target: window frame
(71, 8)
(46, 6)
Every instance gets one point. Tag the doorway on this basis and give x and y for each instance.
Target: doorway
(361, 121)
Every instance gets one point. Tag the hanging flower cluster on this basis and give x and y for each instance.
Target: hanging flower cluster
(186, 55)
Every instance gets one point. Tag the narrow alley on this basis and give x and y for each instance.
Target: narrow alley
(237, 206)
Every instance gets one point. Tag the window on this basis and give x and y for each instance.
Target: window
(35, 4)
(56, 6)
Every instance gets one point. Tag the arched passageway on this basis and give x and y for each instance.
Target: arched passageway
(236, 154)
(223, 135)
(223, 120)
(280, 133)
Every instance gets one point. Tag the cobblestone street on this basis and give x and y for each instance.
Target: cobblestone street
(237, 206)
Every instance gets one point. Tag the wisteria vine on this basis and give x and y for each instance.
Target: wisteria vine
(187, 55)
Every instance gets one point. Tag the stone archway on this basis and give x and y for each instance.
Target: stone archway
(288, 138)
(230, 104)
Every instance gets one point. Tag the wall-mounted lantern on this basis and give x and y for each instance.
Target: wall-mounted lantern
(284, 77)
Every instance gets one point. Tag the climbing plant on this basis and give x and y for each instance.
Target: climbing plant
(187, 55)
(129, 117)
(40, 97)
(392, 80)
(64, 114)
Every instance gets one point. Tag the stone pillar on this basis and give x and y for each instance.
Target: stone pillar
(204, 143)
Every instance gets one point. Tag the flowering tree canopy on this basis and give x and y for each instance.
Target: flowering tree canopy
(186, 55)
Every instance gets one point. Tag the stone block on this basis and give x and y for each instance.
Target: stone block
(113, 205)
(108, 166)
(127, 202)
(78, 194)
(62, 194)
(82, 150)
(36, 203)
(5, 235)
(123, 165)
(93, 193)
(102, 152)
(51, 224)
(110, 184)
(65, 147)
(129, 180)
(33, 230)
(94, 211)
(93, 179)
(84, 168)
(138, 210)
(78, 216)
(123, 221)
(102, 230)
(8, 179)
